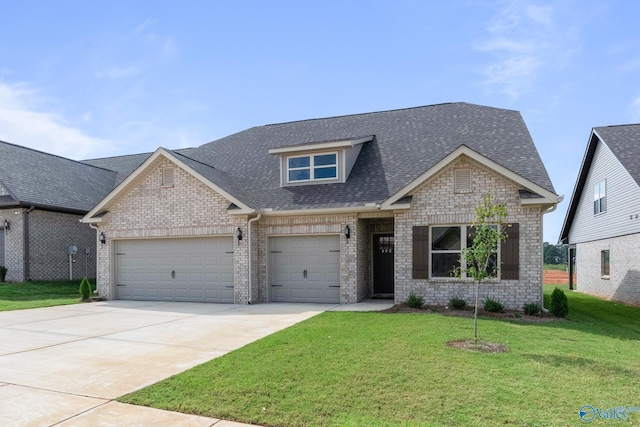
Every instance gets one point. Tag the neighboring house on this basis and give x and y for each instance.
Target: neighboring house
(602, 225)
(42, 199)
(329, 210)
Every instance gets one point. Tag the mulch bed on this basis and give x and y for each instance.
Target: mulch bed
(513, 315)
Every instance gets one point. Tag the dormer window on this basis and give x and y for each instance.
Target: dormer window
(314, 167)
(316, 163)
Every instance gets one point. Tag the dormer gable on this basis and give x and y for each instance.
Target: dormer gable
(323, 162)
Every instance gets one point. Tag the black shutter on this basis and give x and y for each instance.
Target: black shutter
(510, 253)
(420, 252)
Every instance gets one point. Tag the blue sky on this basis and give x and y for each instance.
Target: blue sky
(86, 79)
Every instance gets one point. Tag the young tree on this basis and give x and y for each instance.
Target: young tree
(480, 258)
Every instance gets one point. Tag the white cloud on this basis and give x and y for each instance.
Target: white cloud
(526, 40)
(23, 122)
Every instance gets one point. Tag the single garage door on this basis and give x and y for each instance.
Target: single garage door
(305, 269)
(195, 269)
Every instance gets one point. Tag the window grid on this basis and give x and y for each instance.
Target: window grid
(315, 167)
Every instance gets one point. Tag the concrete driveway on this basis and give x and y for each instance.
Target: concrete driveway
(64, 365)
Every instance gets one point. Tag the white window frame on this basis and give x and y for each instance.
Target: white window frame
(600, 197)
(312, 167)
(605, 263)
(464, 237)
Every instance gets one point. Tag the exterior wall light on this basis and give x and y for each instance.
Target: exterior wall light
(7, 226)
(347, 232)
(102, 238)
(239, 234)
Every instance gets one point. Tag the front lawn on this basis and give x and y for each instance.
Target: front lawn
(18, 296)
(376, 369)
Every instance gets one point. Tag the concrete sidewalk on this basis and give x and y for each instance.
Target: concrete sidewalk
(65, 365)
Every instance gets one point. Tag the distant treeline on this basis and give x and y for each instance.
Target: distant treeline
(555, 254)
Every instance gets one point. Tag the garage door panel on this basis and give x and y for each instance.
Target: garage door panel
(195, 269)
(304, 269)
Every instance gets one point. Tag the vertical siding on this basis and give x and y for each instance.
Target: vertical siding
(623, 201)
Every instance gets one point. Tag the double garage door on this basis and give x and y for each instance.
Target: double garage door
(194, 269)
(304, 269)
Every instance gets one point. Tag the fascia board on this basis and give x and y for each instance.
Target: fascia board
(548, 196)
(325, 211)
(89, 218)
(321, 146)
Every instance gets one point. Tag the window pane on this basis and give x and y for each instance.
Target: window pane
(603, 188)
(444, 265)
(321, 173)
(299, 175)
(445, 238)
(299, 162)
(604, 263)
(596, 192)
(324, 160)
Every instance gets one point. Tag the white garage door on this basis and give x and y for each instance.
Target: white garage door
(196, 269)
(305, 269)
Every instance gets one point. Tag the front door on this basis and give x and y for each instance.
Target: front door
(383, 263)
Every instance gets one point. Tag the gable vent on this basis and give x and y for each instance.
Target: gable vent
(462, 181)
(167, 177)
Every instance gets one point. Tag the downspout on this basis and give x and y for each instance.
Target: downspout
(26, 249)
(249, 242)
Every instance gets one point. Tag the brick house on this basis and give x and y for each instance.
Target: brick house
(602, 224)
(42, 199)
(330, 210)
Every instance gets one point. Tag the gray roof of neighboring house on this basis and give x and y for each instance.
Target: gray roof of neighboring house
(34, 178)
(624, 143)
(406, 144)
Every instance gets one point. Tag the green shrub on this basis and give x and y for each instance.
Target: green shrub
(415, 301)
(559, 303)
(457, 304)
(85, 289)
(493, 305)
(531, 309)
(3, 273)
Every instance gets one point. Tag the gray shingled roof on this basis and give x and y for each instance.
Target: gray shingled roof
(44, 180)
(126, 164)
(624, 142)
(407, 143)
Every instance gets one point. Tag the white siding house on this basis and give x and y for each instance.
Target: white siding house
(602, 224)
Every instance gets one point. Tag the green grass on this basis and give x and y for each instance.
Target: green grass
(376, 369)
(561, 267)
(18, 296)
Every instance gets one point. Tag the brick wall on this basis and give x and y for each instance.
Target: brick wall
(435, 203)
(189, 208)
(50, 233)
(623, 283)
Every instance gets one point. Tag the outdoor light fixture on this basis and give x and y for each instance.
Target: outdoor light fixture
(102, 238)
(347, 232)
(6, 225)
(239, 234)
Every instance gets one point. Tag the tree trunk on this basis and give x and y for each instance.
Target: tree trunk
(475, 313)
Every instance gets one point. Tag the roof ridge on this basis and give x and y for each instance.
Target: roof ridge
(364, 114)
(617, 126)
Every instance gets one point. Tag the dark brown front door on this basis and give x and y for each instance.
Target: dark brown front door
(383, 248)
